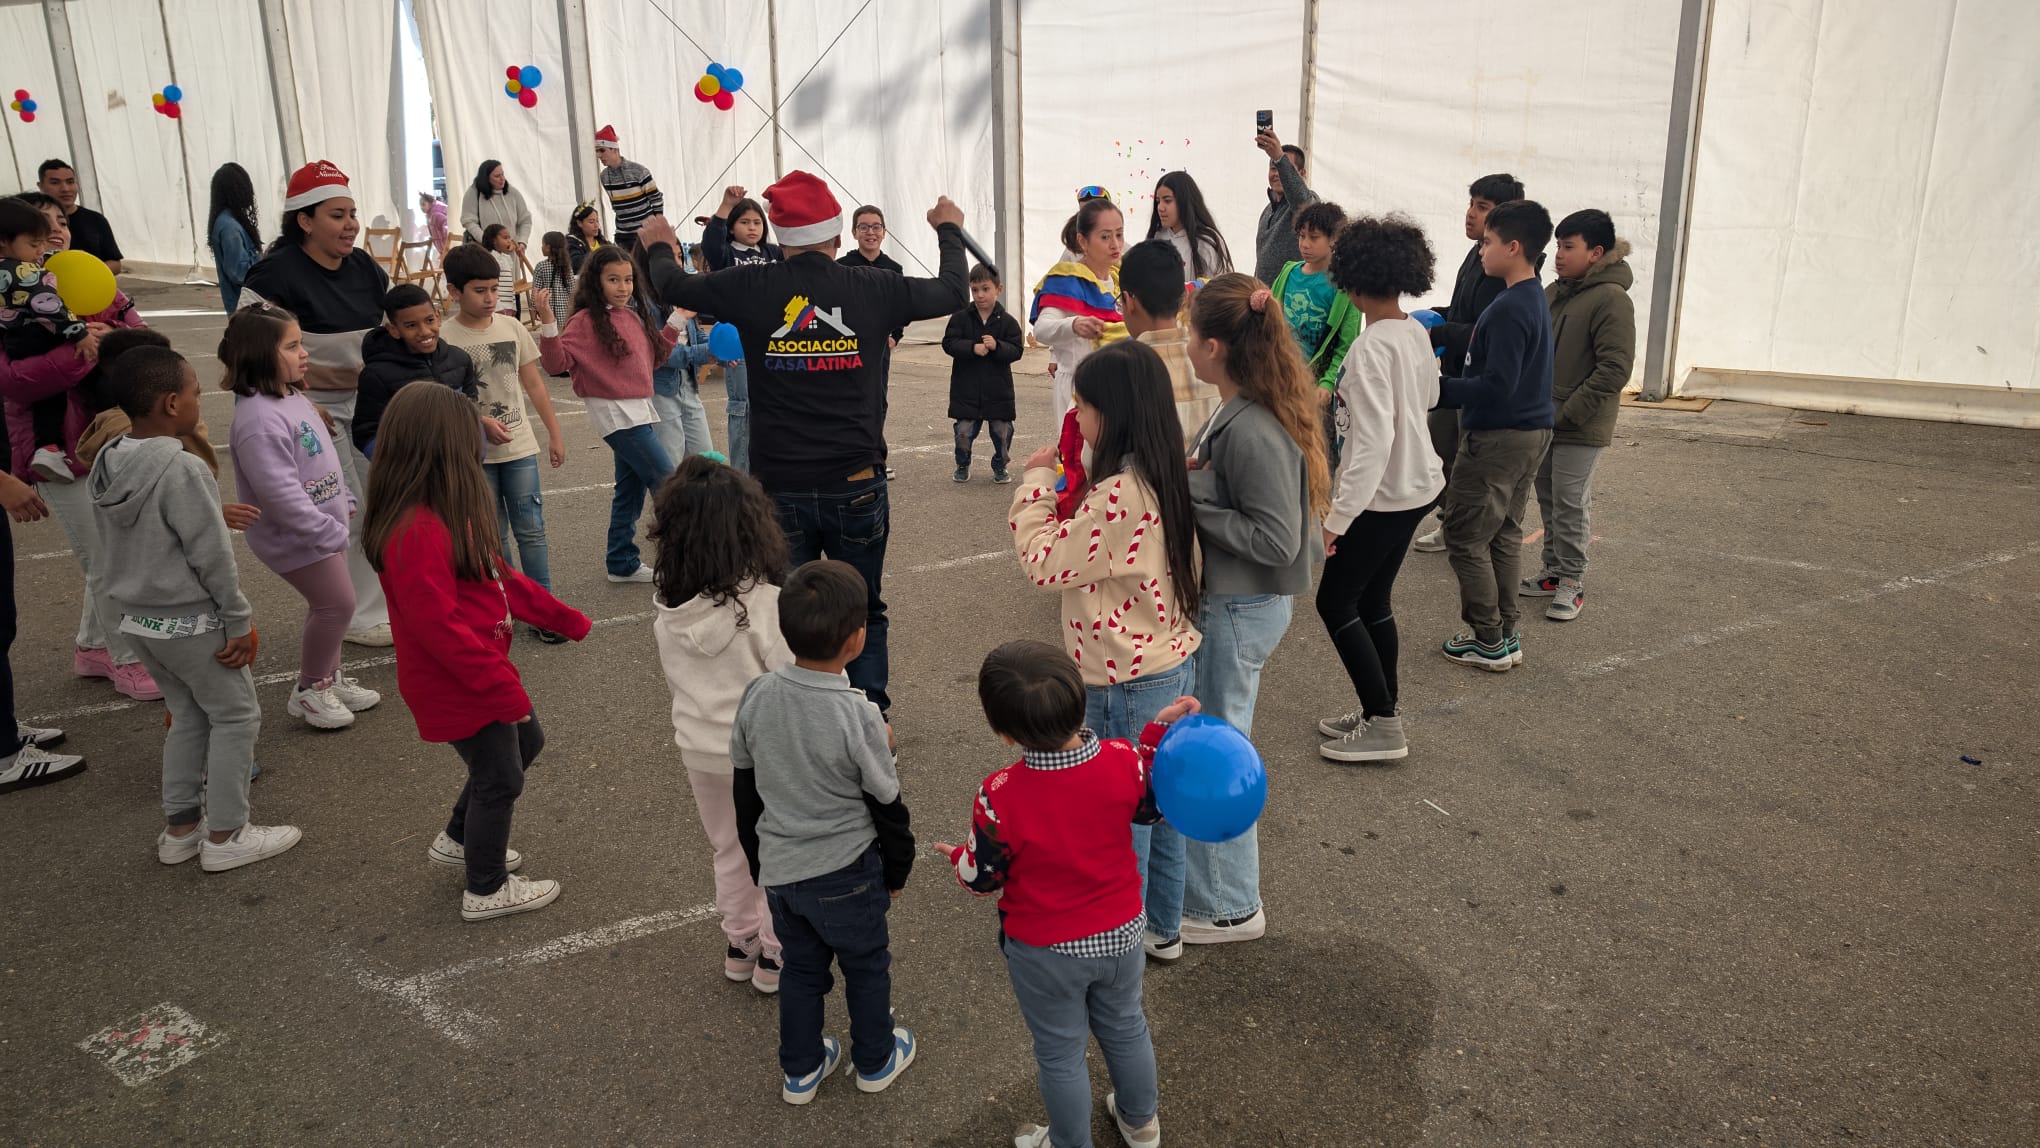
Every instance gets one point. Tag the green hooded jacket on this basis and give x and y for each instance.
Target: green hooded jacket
(1342, 326)
(1593, 334)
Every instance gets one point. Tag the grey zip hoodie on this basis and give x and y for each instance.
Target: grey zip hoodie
(168, 552)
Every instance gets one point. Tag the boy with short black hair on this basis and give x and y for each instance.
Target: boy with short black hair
(1052, 835)
(1593, 327)
(1152, 283)
(985, 341)
(1321, 317)
(1504, 401)
(174, 581)
(821, 820)
(405, 349)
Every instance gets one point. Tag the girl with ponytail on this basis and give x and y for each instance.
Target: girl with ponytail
(1258, 479)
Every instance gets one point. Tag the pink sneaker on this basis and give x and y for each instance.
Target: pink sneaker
(133, 680)
(92, 663)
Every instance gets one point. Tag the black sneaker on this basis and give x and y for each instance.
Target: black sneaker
(548, 637)
(962, 474)
(1002, 477)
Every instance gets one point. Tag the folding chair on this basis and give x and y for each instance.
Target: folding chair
(385, 245)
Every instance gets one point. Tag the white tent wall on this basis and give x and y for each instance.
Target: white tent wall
(122, 59)
(1862, 174)
(345, 57)
(895, 114)
(28, 67)
(1575, 107)
(467, 48)
(221, 65)
(1117, 94)
(644, 63)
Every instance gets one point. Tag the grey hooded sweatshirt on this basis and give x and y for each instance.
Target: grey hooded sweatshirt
(168, 551)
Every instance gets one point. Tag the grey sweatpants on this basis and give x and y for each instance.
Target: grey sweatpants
(1564, 492)
(214, 717)
(1487, 493)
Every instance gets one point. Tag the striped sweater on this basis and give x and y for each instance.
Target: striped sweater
(335, 309)
(633, 195)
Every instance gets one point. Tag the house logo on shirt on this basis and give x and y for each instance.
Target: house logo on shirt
(812, 339)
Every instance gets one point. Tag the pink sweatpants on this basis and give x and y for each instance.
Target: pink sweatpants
(740, 901)
(329, 598)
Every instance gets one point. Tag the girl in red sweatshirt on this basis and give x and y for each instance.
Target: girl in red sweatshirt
(611, 348)
(430, 532)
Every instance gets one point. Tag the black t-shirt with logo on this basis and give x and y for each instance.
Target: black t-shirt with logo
(92, 234)
(814, 336)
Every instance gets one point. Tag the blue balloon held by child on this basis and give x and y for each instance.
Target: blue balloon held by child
(1428, 318)
(724, 343)
(1209, 780)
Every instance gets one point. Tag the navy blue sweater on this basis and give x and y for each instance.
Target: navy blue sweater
(1506, 384)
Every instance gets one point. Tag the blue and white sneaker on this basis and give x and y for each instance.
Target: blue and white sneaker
(1468, 650)
(904, 1046)
(801, 1089)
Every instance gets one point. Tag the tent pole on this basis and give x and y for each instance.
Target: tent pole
(198, 237)
(1675, 209)
(290, 129)
(580, 97)
(1007, 198)
(1306, 108)
(63, 54)
(772, 53)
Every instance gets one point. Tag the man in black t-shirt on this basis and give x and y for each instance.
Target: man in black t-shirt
(90, 232)
(815, 336)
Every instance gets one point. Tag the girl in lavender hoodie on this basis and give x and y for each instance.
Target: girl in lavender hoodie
(286, 466)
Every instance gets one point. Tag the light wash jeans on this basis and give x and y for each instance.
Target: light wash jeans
(1123, 710)
(370, 610)
(683, 422)
(1565, 494)
(99, 621)
(737, 390)
(1223, 882)
(1064, 1000)
(520, 509)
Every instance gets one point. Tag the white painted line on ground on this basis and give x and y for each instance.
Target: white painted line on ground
(186, 312)
(1698, 638)
(953, 563)
(420, 993)
(1434, 805)
(276, 679)
(150, 1043)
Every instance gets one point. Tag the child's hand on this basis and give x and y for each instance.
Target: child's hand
(1324, 397)
(1177, 709)
(893, 893)
(557, 454)
(238, 652)
(240, 515)
(494, 428)
(541, 305)
(88, 346)
(1331, 543)
(730, 196)
(1044, 456)
(891, 342)
(21, 500)
(947, 850)
(982, 349)
(1087, 328)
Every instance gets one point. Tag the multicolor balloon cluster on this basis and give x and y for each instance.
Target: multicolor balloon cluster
(23, 105)
(522, 84)
(168, 102)
(719, 86)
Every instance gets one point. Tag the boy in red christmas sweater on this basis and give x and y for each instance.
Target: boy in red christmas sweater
(1053, 834)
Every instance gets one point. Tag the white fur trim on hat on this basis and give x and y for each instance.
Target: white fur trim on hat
(804, 211)
(813, 233)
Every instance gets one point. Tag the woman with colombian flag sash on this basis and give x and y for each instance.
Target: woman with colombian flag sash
(1076, 311)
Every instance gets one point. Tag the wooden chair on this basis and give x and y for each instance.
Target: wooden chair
(426, 272)
(385, 245)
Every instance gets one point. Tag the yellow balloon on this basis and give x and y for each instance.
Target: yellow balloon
(514, 87)
(710, 85)
(83, 282)
(157, 99)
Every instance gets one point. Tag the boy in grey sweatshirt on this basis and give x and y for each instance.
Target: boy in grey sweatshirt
(174, 581)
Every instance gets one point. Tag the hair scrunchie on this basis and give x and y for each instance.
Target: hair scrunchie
(1258, 301)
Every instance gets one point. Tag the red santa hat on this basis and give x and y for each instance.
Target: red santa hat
(605, 140)
(315, 183)
(804, 212)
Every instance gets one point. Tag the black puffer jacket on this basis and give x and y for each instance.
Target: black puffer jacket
(386, 365)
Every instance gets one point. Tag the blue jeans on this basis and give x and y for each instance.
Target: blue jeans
(1123, 710)
(1223, 882)
(641, 465)
(1062, 997)
(966, 436)
(839, 915)
(849, 522)
(520, 509)
(737, 390)
(683, 422)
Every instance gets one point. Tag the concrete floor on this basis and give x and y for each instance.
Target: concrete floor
(1709, 869)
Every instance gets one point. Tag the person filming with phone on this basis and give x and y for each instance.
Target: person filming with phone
(1288, 193)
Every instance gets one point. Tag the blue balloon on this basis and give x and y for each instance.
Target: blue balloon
(732, 80)
(1209, 780)
(715, 70)
(1429, 319)
(173, 93)
(529, 76)
(28, 105)
(724, 343)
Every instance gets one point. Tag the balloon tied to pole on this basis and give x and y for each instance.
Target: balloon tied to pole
(169, 101)
(719, 86)
(521, 84)
(23, 105)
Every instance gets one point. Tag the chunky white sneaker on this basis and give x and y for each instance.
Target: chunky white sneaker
(452, 854)
(378, 635)
(1148, 1135)
(249, 844)
(1432, 542)
(352, 694)
(319, 707)
(49, 465)
(642, 574)
(1162, 948)
(177, 850)
(517, 895)
(1196, 932)
(32, 766)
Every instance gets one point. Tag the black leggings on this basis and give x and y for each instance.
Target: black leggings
(1353, 598)
(497, 756)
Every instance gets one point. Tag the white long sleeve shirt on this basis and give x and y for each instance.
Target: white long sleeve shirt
(1389, 384)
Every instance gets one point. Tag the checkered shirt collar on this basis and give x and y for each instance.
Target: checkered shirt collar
(1063, 758)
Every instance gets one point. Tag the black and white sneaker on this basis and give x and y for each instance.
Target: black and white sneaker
(32, 765)
(39, 738)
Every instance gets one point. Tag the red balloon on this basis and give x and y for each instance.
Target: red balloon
(725, 101)
(28, 117)
(21, 93)
(528, 98)
(174, 111)
(511, 71)
(704, 97)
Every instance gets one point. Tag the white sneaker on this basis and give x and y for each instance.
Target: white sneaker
(378, 635)
(352, 694)
(249, 844)
(317, 705)
(642, 574)
(37, 737)
(177, 850)
(1196, 932)
(49, 465)
(1148, 1135)
(1432, 542)
(32, 765)
(517, 895)
(452, 854)
(1162, 948)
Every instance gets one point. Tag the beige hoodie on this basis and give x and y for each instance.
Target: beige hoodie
(709, 659)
